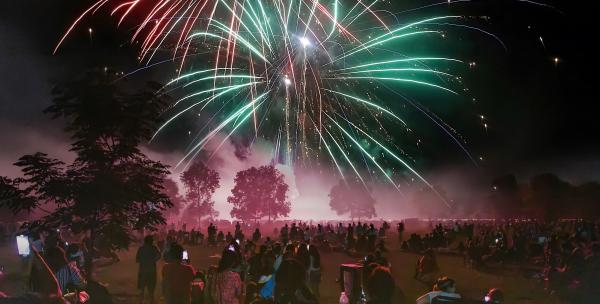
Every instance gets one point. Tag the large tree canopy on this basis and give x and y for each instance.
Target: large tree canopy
(352, 198)
(111, 188)
(258, 193)
(200, 184)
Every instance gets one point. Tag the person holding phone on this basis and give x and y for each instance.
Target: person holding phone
(177, 278)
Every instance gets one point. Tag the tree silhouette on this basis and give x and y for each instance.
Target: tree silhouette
(353, 198)
(506, 196)
(545, 196)
(259, 192)
(586, 200)
(200, 184)
(549, 196)
(11, 200)
(111, 188)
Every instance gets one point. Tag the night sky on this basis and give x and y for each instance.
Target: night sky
(541, 114)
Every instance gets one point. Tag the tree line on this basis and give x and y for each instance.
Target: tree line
(258, 193)
(112, 188)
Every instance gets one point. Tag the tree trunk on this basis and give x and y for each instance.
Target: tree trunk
(89, 259)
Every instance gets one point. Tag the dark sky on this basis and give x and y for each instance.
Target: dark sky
(541, 115)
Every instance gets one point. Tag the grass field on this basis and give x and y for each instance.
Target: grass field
(120, 278)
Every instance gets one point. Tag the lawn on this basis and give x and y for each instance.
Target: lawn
(120, 278)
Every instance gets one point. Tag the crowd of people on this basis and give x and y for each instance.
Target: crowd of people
(565, 255)
(282, 263)
(59, 272)
(282, 269)
(359, 237)
(287, 267)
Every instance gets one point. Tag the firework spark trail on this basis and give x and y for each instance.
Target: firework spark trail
(300, 70)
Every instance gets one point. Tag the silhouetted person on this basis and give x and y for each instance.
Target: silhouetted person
(147, 256)
(227, 287)
(290, 284)
(256, 236)
(380, 286)
(314, 270)
(302, 255)
(400, 230)
(177, 278)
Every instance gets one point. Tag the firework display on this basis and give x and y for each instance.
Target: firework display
(324, 81)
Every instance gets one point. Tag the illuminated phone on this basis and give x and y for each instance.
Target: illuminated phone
(185, 256)
(237, 241)
(23, 245)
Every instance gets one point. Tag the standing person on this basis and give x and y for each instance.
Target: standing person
(212, 232)
(278, 256)
(400, 231)
(256, 236)
(314, 270)
(227, 287)
(147, 256)
(302, 256)
(284, 234)
(177, 278)
(41, 278)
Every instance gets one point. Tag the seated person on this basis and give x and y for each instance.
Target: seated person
(252, 293)
(380, 286)
(427, 266)
(444, 291)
